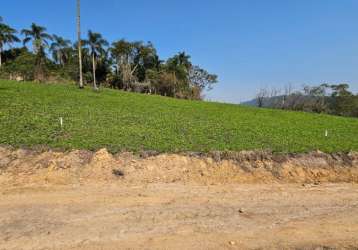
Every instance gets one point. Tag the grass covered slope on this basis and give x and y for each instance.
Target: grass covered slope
(29, 116)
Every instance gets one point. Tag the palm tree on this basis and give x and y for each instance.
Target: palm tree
(95, 43)
(79, 42)
(39, 38)
(58, 49)
(184, 60)
(7, 36)
(180, 65)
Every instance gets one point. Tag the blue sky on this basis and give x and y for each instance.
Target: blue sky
(249, 43)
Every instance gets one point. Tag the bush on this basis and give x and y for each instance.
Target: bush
(22, 67)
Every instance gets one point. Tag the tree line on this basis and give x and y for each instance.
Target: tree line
(335, 99)
(126, 65)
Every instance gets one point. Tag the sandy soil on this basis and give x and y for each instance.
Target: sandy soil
(84, 200)
(177, 216)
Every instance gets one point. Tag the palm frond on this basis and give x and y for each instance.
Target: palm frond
(26, 32)
(46, 36)
(26, 40)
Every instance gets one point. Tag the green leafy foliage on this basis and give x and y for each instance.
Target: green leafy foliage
(325, 98)
(130, 66)
(23, 65)
(30, 113)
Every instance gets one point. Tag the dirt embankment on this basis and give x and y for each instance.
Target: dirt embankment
(21, 167)
(248, 200)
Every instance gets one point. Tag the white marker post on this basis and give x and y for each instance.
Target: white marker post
(61, 122)
(326, 134)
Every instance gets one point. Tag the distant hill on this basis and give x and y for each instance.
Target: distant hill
(252, 102)
(30, 116)
(268, 102)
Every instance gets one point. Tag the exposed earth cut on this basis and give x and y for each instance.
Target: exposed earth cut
(247, 200)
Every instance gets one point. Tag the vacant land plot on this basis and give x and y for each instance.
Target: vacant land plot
(86, 200)
(178, 216)
(81, 199)
(30, 115)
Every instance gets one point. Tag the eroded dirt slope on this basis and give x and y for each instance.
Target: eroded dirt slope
(21, 167)
(247, 200)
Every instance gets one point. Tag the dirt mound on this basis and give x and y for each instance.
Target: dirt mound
(22, 166)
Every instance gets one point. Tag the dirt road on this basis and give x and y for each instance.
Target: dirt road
(96, 200)
(178, 216)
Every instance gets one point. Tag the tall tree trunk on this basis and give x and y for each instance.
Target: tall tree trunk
(94, 72)
(40, 65)
(59, 59)
(79, 42)
(0, 56)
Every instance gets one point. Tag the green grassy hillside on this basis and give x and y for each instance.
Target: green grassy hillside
(30, 113)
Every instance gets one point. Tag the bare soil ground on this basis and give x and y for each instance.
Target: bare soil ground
(85, 200)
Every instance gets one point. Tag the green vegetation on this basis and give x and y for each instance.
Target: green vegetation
(118, 120)
(130, 66)
(333, 99)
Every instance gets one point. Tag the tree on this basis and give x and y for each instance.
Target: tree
(22, 66)
(340, 90)
(343, 101)
(79, 43)
(146, 58)
(96, 46)
(7, 37)
(162, 82)
(201, 78)
(125, 54)
(181, 59)
(261, 96)
(39, 37)
(59, 47)
(180, 65)
(133, 66)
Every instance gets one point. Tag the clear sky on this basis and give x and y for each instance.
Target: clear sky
(249, 43)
